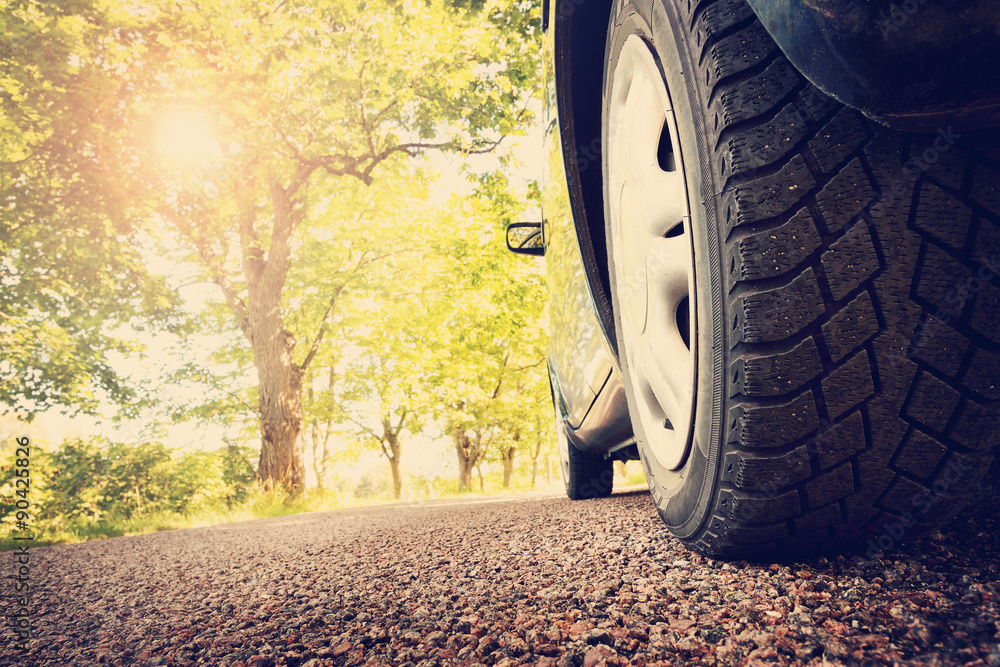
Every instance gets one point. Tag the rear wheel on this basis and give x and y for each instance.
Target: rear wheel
(585, 474)
(806, 303)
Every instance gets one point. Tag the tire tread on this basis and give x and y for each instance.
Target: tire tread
(859, 273)
(862, 381)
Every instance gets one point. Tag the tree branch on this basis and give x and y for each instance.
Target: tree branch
(379, 439)
(213, 263)
(283, 226)
(402, 418)
(314, 348)
(496, 391)
(534, 365)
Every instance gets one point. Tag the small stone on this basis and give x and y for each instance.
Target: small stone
(682, 624)
(487, 645)
(835, 650)
(410, 637)
(596, 636)
(550, 650)
(598, 656)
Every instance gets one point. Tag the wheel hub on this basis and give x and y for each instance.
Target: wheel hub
(634, 257)
(652, 253)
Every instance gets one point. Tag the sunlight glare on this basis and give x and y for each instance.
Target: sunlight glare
(185, 135)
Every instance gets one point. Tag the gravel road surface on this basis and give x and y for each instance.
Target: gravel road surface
(537, 580)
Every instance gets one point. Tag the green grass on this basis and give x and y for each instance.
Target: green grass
(260, 505)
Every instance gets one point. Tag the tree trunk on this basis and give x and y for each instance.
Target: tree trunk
(313, 431)
(535, 453)
(479, 471)
(280, 379)
(397, 479)
(316, 455)
(468, 452)
(507, 453)
(392, 439)
(507, 456)
(464, 473)
(320, 458)
(280, 408)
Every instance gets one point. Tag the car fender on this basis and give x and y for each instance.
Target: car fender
(913, 65)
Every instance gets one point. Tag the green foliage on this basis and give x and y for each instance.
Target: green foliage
(401, 315)
(90, 482)
(293, 95)
(494, 383)
(68, 274)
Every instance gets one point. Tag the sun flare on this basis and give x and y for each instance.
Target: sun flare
(186, 135)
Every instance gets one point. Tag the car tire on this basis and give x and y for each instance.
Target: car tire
(586, 475)
(841, 323)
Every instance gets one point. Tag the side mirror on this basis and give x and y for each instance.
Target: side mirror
(525, 238)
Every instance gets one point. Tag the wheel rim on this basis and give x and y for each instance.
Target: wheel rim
(653, 261)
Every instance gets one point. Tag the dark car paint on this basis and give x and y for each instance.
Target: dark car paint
(916, 65)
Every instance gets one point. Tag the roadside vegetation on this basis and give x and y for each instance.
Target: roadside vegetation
(91, 489)
(279, 223)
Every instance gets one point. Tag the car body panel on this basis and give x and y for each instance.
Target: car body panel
(572, 324)
(582, 359)
(911, 64)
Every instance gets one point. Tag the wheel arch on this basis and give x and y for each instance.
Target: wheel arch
(580, 34)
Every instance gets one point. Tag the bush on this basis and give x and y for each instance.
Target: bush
(85, 484)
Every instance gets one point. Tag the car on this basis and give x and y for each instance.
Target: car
(772, 239)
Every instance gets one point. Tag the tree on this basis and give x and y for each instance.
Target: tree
(70, 277)
(395, 346)
(235, 123)
(542, 444)
(494, 370)
(347, 91)
(320, 416)
(519, 420)
(469, 446)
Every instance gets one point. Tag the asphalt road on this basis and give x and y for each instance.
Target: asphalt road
(536, 580)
